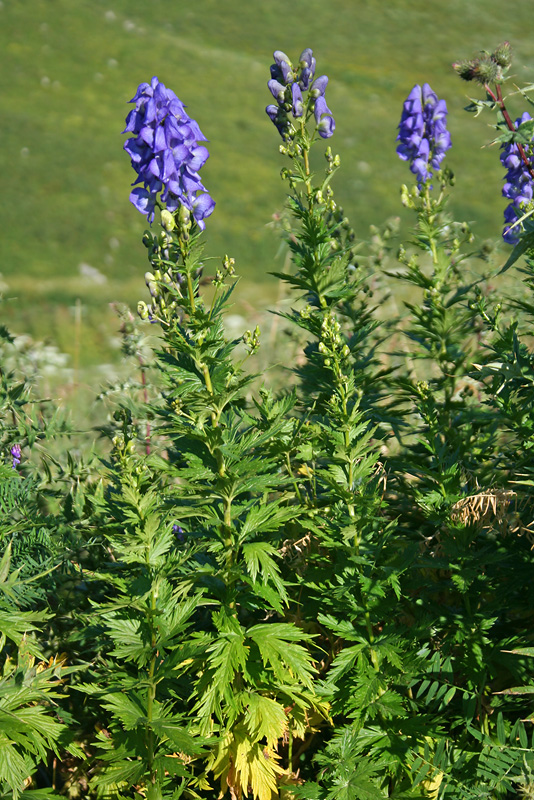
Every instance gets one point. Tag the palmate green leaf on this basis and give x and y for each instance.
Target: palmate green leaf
(172, 728)
(259, 561)
(280, 649)
(131, 638)
(175, 618)
(226, 656)
(15, 624)
(123, 770)
(32, 727)
(265, 518)
(14, 768)
(267, 593)
(130, 710)
(356, 781)
(264, 717)
(343, 628)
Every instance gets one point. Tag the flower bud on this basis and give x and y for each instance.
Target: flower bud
(318, 87)
(503, 55)
(142, 310)
(185, 217)
(167, 220)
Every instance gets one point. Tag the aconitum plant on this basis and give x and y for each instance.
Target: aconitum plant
(298, 95)
(518, 186)
(423, 135)
(166, 154)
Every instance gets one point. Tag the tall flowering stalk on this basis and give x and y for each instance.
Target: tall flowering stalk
(196, 528)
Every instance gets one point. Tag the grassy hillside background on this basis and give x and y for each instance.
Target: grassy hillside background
(70, 66)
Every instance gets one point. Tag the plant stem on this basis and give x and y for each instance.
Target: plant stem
(498, 98)
(151, 694)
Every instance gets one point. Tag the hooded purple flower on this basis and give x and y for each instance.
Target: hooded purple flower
(423, 135)
(166, 154)
(288, 87)
(518, 185)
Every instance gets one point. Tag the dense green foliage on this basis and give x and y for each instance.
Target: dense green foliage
(311, 583)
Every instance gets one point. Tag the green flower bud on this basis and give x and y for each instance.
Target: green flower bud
(184, 216)
(503, 55)
(142, 310)
(487, 71)
(465, 69)
(167, 220)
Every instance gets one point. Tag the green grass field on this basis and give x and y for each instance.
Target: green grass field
(70, 66)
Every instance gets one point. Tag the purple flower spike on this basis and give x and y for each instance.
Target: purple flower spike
(518, 185)
(423, 135)
(165, 154)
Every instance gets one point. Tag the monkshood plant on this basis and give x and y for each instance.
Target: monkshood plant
(321, 592)
(203, 677)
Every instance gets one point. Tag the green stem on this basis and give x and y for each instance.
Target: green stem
(498, 98)
(374, 657)
(230, 555)
(151, 694)
(293, 479)
(190, 292)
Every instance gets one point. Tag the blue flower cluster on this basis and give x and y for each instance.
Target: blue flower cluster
(423, 135)
(165, 154)
(287, 87)
(518, 185)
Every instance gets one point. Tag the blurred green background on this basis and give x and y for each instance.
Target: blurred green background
(69, 232)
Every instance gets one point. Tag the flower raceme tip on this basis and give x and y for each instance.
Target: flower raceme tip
(289, 87)
(423, 135)
(166, 154)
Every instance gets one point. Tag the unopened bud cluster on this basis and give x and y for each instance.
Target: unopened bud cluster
(163, 281)
(227, 270)
(251, 340)
(332, 345)
(488, 67)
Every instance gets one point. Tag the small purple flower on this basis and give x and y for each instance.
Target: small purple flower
(326, 123)
(298, 105)
(518, 185)
(166, 154)
(423, 135)
(179, 532)
(16, 454)
(307, 63)
(283, 76)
